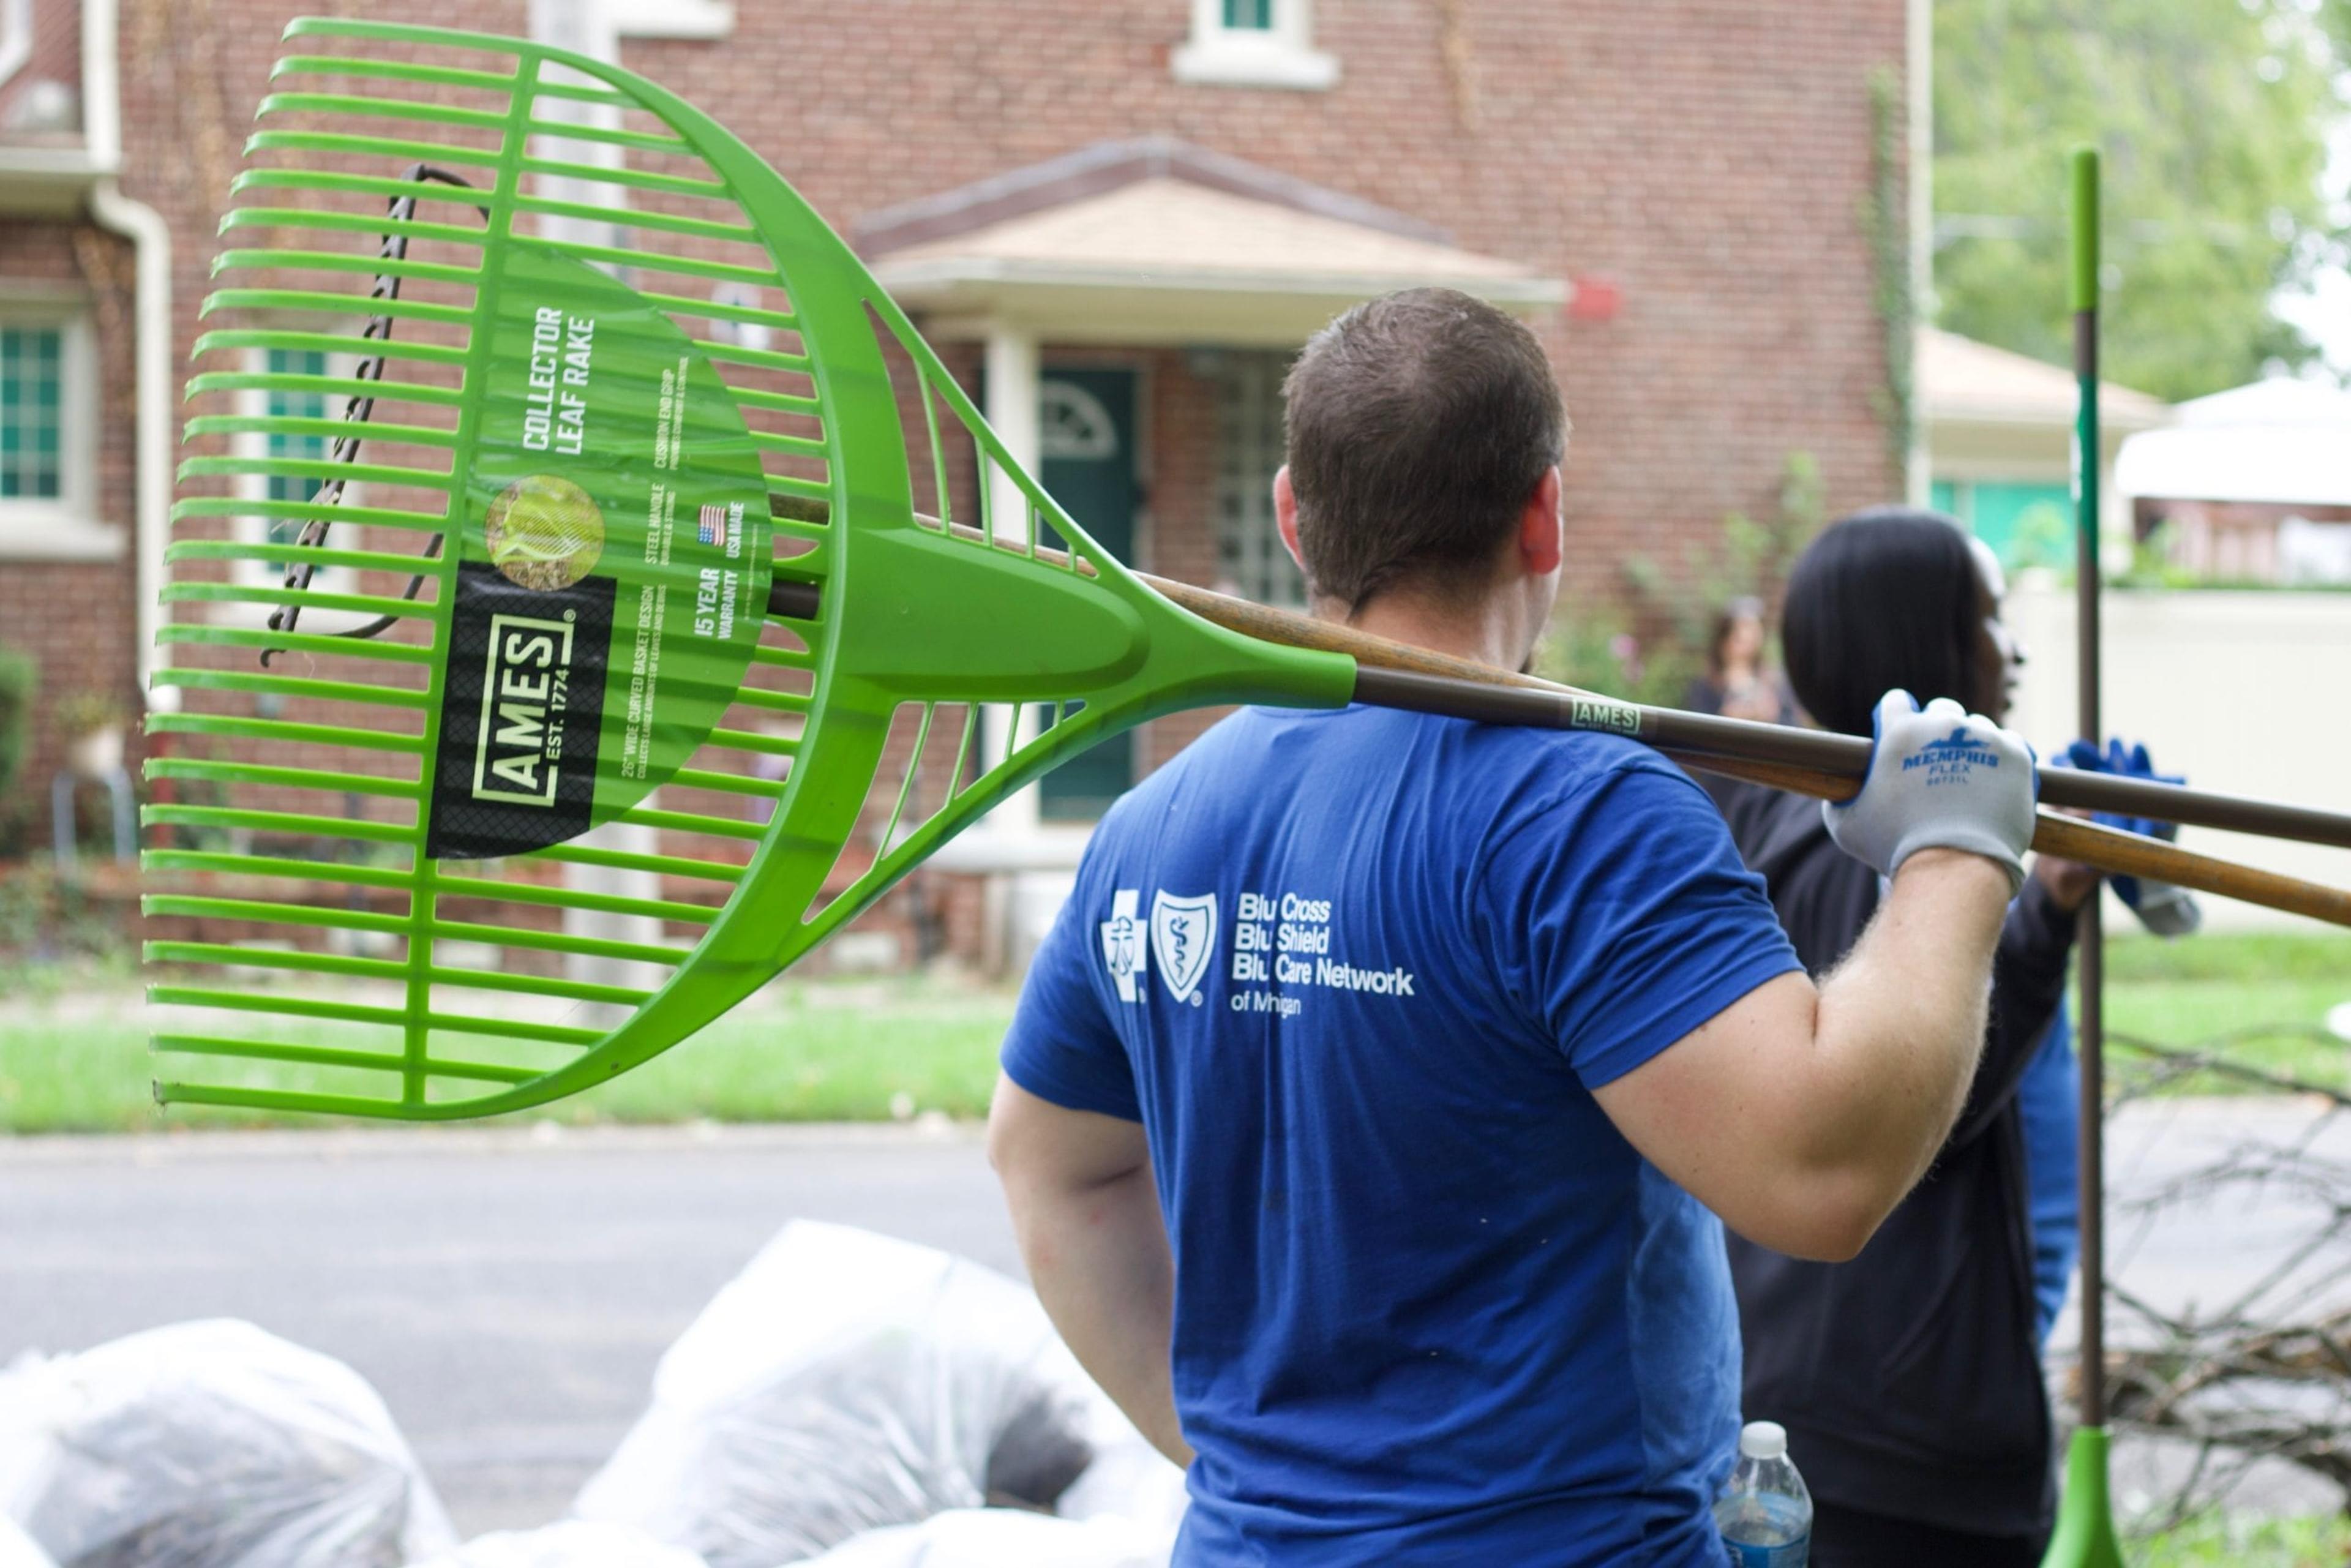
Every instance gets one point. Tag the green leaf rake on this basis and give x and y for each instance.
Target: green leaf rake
(688, 669)
(654, 600)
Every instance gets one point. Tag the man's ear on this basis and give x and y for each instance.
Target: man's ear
(1285, 514)
(1540, 542)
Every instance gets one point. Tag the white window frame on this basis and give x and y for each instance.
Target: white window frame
(702, 21)
(253, 528)
(65, 526)
(1097, 437)
(15, 37)
(1280, 56)
(1248, 391)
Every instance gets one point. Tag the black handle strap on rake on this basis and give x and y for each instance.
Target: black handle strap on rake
(357, 411)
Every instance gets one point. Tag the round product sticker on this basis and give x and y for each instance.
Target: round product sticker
(544, 533)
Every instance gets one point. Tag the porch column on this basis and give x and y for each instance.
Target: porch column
(1012, 410)
(587, 26)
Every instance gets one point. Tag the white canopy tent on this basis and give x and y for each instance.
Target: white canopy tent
(2278, 442)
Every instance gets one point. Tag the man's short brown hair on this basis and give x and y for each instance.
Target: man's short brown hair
(1417, 427)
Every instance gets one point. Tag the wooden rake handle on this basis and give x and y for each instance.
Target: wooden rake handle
(2129, 854)
(1800, 761)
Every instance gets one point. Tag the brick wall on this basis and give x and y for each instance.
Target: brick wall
(76, 618)
(1708, 157)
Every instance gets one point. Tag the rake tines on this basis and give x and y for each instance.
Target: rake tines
(302, 774)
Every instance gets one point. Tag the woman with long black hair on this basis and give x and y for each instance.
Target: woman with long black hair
(1910, 1378)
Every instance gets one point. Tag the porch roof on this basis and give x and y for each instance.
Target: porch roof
(1156, 242)
(1963, 381)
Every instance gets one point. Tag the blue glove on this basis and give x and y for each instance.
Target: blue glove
(2166, 910)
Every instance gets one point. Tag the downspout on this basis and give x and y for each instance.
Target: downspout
(150, 245)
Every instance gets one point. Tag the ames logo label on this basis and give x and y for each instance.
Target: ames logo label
(526, 683)
(521, 717)
(1596, 712)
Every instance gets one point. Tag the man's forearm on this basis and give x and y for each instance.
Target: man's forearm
(1098, 1256)
(1902, 1019)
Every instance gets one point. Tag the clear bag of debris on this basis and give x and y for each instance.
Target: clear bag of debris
(843, 1382)
(16, 1548)
(1003, 1537)
(574, 1543)
(1130, 1481)
(210, 1445)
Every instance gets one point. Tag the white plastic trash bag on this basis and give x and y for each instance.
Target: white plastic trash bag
(210, 1445)
(1002, 1538)
(574, 1543)
(16, 1548)
(1132, 1481)
(844, 1382)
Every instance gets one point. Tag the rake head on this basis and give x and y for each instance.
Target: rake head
(567, 593)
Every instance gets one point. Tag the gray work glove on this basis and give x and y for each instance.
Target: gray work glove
(1940, 779)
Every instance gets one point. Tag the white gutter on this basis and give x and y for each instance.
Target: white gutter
(151, 243)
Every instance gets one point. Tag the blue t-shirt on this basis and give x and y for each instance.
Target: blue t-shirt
(1357, 973)
(2049, 1102)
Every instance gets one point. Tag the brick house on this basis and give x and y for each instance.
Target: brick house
(1117, 218)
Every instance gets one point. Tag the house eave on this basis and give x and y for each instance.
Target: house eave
(1148, 306)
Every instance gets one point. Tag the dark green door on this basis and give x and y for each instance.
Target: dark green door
(1086, 440)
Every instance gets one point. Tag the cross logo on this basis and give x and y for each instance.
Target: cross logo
(1122, 942)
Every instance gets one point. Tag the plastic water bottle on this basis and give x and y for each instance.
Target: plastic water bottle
(1765, 1514)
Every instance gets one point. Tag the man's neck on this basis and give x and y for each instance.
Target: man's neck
(1487, 634)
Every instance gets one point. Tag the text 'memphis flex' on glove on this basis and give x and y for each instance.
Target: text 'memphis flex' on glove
(1939, 778)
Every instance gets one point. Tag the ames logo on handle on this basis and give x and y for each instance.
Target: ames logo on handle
(526, 689)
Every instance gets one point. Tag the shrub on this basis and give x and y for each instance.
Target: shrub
(20, 677)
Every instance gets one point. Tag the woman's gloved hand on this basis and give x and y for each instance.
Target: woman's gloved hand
(2164, 910)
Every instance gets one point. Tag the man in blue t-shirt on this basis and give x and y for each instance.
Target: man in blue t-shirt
(1363, 1115)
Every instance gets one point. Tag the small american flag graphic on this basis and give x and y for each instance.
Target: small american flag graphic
(712, 526)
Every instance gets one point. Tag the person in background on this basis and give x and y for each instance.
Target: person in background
(2049, 1107)
(2049, 1096)
(1736, 684)
(1910, 1378)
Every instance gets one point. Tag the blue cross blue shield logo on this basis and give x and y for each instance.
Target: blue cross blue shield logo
(1184, 939)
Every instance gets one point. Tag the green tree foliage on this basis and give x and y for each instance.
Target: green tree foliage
(2212, 116)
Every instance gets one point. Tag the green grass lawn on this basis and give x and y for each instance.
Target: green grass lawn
(863, 1051)
(74, 1057)
(2265, 995)
(2216, 1543)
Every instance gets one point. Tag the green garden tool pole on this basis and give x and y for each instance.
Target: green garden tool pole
(2085, 1529)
